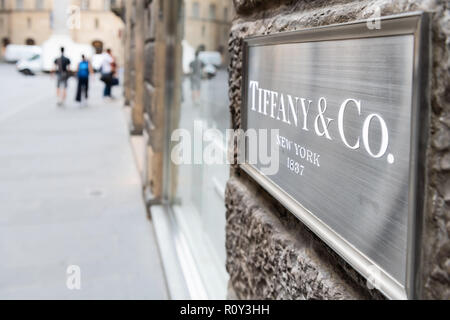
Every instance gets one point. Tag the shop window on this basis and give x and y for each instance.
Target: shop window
(30, 42)
(98, 46)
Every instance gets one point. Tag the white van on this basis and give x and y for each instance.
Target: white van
(16, 52)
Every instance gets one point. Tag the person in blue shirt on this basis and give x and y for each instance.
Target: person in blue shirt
(83, 72)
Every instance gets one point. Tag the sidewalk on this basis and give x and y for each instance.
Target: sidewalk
(70, 194)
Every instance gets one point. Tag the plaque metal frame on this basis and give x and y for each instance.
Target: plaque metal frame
(418, 25)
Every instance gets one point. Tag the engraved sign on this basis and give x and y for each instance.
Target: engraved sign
(347, 103)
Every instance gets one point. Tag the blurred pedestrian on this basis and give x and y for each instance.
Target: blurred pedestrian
(83, 72)
(108, 71)
(62, 68)
(196, 67)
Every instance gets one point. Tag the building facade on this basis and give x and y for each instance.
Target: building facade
(221, 234)
(207, 23)
(91, 22)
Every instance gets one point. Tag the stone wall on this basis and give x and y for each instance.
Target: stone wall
(144, 85)
(270, 254)
(154, 94)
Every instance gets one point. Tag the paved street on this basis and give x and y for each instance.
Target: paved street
(70, 194)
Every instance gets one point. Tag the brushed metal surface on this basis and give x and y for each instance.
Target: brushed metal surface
(363, 199)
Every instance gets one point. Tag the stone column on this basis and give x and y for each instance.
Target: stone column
(132, 52)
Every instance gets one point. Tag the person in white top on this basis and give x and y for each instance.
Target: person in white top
(106, 63)
(108, 70)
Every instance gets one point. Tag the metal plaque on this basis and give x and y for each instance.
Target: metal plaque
(349, 103)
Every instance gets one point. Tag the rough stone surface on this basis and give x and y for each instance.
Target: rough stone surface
(268, 272)
(272, 255)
